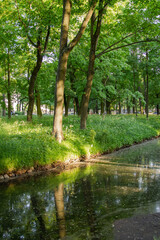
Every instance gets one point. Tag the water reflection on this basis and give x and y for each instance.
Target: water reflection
(83, 203)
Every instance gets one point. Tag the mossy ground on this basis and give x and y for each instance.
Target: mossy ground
(23, 145)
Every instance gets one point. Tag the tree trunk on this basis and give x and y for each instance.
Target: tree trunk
(96, 106)
(66, 104)
(94, 41)
(128, 109)
(102, 107)
(119, 107)
(62, 65)
(147, 78)
(86, 95)
(77, 106)
(157, 106)
(38, 102)
(3, 106)
(59, 97)
(108, 110)
(9, 88)
(32, 84)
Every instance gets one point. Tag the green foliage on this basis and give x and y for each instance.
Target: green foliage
(23, 145)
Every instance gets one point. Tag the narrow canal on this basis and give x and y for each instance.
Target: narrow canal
(95, 202)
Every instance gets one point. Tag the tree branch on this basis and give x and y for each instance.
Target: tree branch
(126, 45)
(47, 38)
(73, 43)
(105, 50)
(25, 26)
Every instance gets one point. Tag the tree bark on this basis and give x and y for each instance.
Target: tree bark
(36, 70)
(38, 102)
(62, 65)
(147, 81)
(119, 107)
(108, 110)
(66, 104)
(94, 41)
(9, 87)
(77, 106)
(157, 106)
(32, 84)
(102, 107)
(4, 106)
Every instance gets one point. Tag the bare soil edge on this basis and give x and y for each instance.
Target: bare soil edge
(59, 166)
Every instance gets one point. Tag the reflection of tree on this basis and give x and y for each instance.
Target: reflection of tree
(38, 213)
(59, 203)
(89, 203)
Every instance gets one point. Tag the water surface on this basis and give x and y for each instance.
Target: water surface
(83, 203)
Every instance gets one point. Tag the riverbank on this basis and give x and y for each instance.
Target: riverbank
(28, 147)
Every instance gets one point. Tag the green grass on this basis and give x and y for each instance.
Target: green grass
(23, 145)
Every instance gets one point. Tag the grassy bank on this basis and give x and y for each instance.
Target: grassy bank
(23, 145)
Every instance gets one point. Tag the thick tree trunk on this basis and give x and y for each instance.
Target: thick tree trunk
(38, 102)
(59, 97)
(62, 65)
(32, 84)
(9, 88)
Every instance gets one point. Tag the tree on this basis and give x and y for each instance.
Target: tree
(64, 52)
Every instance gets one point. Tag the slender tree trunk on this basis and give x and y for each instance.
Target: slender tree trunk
(4, 106)
(32, 84)
(119, 107)
(38, 102)
(128, 109)
(86, 95)
(157, 109)
(157, 106)
(108, 110)
(9, 87)
(96, 106)
(147, 81)
(66, 104)
(94, 41)
(77, 106)
(134, 89)
(102, 107)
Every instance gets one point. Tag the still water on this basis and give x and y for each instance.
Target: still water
(86, 202)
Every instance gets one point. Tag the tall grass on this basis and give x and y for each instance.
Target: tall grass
(23, 145)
